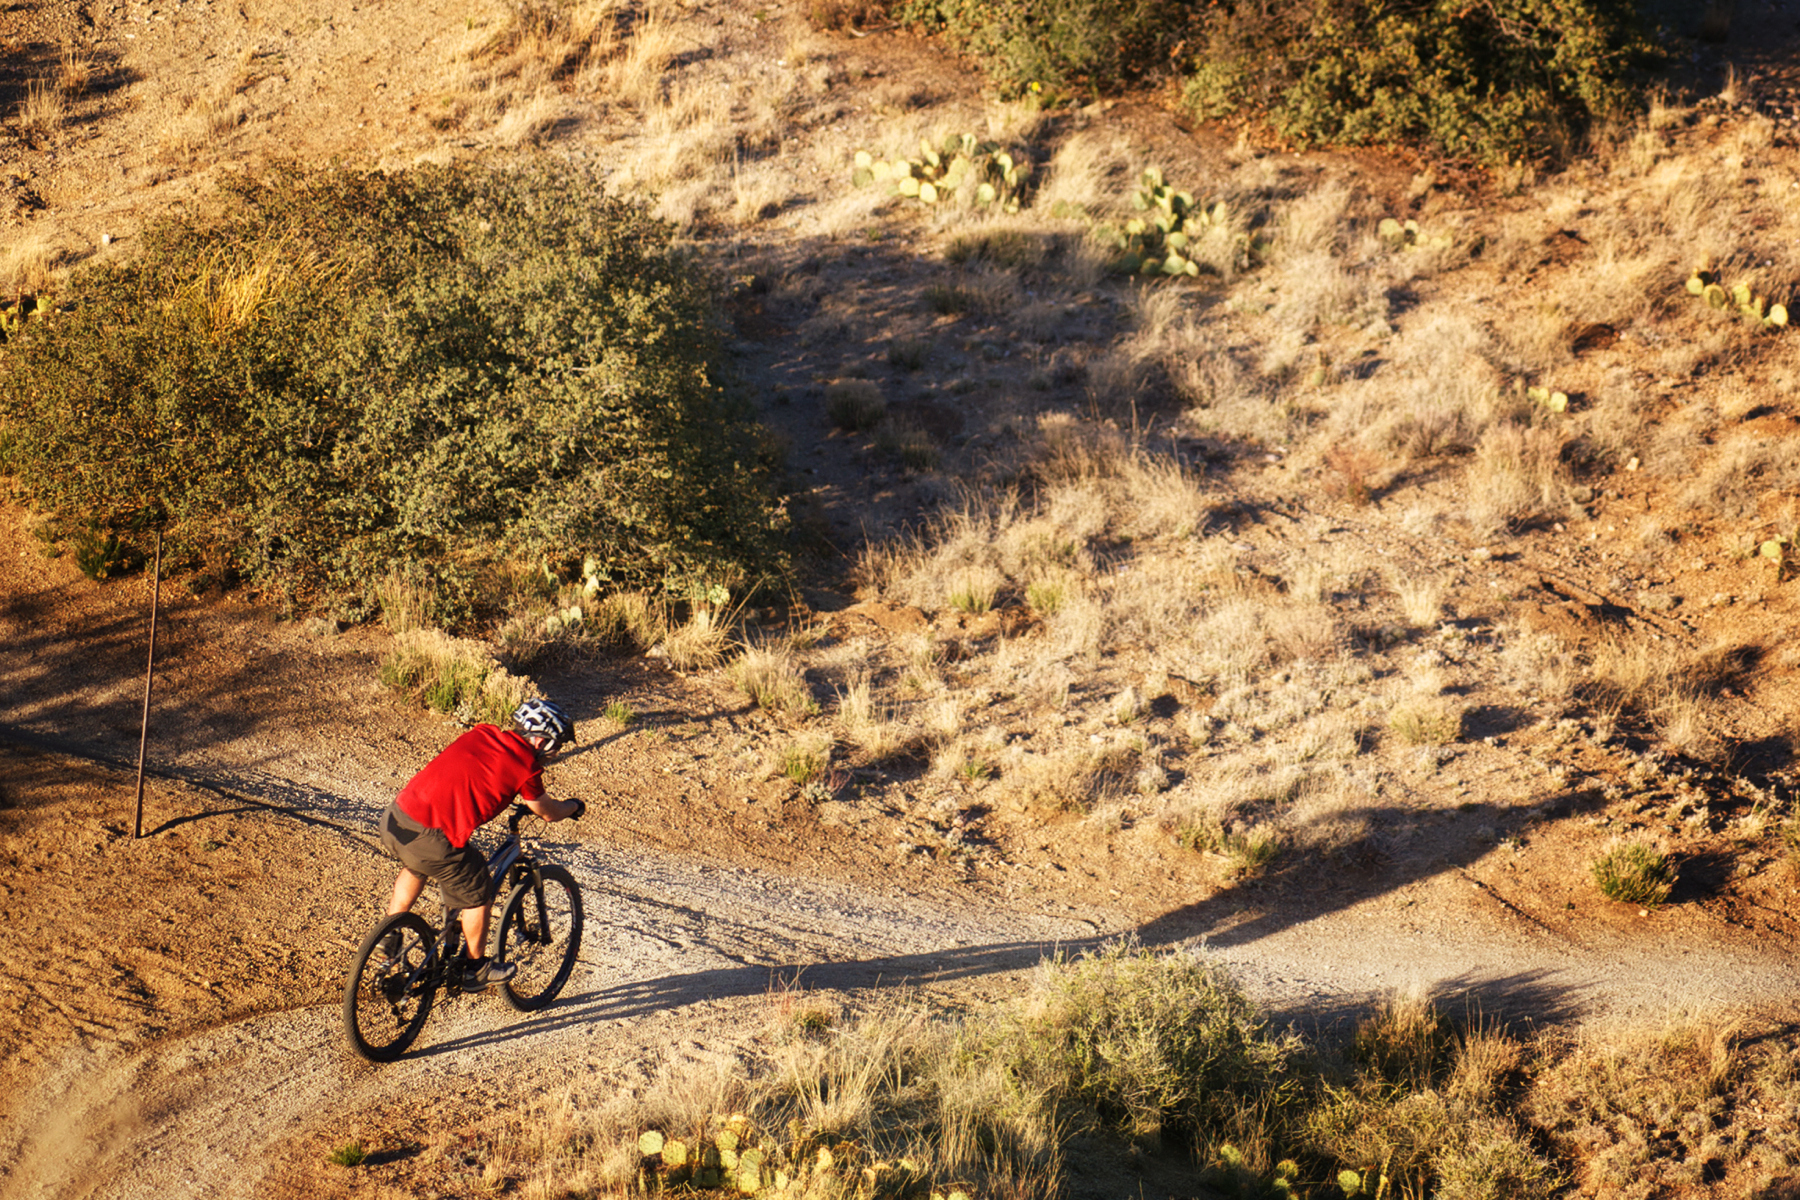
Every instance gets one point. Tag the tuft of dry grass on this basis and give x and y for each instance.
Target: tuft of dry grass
(1518, 473)
(197, 123)
(856, 405)
(770, 675)
(30, 263)
(1427, 721)
(699, 643)
(74, 70)
(43, 110)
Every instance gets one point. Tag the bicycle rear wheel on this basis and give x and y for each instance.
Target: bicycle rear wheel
(540, 933)
(386, 1003)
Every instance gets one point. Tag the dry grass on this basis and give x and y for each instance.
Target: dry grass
(1655, 1109)
(43, 110)
(528, 121)
(770, 674)
(30, 263)
(197, 123)
(699, 643)
(1518, 473)
(74, 70)
(635, 73)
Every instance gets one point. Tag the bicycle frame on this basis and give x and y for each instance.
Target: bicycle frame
(508, 854)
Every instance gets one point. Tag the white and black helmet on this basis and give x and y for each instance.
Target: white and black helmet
(545, 718)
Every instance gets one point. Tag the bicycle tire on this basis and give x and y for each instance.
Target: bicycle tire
(540, 934)
(385, 1006)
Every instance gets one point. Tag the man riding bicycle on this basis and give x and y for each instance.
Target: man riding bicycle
(427, 827)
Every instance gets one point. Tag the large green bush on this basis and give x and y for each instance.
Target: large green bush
(1486, 82)
(1489, 82)
(1080, 45)
(329, 375)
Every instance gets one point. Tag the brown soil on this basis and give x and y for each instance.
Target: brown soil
(171, 1001)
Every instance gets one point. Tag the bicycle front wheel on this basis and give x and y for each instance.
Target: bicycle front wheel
(540, 933)
(387, 1000)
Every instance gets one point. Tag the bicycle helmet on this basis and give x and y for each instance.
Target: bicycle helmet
(545, 718)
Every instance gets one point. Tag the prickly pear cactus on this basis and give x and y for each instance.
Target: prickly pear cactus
(1406, 235)
(985, 172)
(1741, 298)
(1167, 239)
(1556, 402)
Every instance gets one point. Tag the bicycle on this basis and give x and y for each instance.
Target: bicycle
(386, 1000)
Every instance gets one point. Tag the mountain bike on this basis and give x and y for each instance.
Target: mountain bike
(388, 997)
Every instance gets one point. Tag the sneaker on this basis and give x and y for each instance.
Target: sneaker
(389, 949)
(478, 975)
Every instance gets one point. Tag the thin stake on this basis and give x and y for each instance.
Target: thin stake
(149, 677)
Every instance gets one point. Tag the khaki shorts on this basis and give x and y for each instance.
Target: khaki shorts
(461, 875)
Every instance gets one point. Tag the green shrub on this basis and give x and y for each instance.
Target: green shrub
(350, 1154)
(101, 555)
(323, 375)
(1427, 721)
(1487, 82)
(1062, 45)
(454, 676)
(1635, 873)
(1151, 1041)
(855, 405)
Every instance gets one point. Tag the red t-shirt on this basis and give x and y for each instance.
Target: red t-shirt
(475, 777)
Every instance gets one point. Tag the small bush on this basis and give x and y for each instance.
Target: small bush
(1249, 850)
(1079, 784)
(1062, 45)
(455, 676)
(908, 443)
(101, 555)
(774, 680)
(855, 405)
(1153, 1043)
(1432, 721)
(350, 1154)
(947, 300)
(805, 761)
(1634, 873)
(974, 592)
(908, 353)
(1492, 83)
(1003, 247)
(1046, 596)
(619, 713)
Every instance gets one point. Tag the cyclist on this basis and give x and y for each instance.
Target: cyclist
(471, 782)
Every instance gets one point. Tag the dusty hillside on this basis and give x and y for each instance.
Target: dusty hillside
(1585, 603)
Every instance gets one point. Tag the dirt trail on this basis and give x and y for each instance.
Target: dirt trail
(669, 945)
(676, 951)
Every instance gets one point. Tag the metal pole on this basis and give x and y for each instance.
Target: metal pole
(149, 676)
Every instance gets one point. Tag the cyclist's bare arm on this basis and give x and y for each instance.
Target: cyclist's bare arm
(554, 810)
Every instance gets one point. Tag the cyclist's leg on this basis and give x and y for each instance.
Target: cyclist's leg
(407, 886)
(462, 879)
(408, 843)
